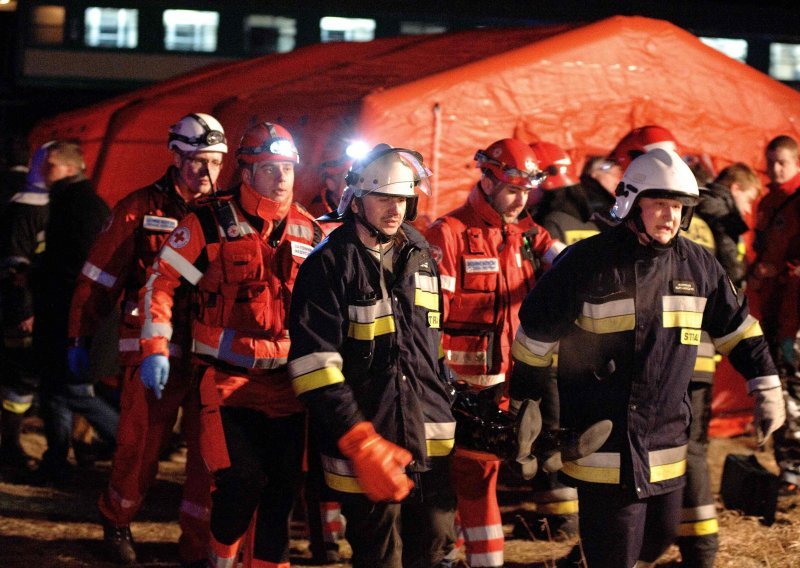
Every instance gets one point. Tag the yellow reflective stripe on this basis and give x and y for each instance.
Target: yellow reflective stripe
(607, 325)
(667, 471)
(683, 319)
(578, 235)
(429, 300)
(705, 364)
(520, 353)
(439, 448)
(342, 483)
(592, 474)
(749, 328)
(317, 379)
(16, 407)
(441, 351)
(699, 528)
(558, 508)
(368, 331)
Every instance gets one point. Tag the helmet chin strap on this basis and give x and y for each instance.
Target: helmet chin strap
(638, 226)
(379, 235)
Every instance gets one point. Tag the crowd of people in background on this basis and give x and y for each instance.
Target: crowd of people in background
(381, 370)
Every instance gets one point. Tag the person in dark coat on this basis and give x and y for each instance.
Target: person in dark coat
(77, 215)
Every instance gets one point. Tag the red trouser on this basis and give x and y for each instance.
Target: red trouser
(476, 488)
(145, 425)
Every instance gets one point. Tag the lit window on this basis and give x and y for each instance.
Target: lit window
(346, 29)
(190, 30)
(784, 61)
(734, 48)
(47, 25)
(269, 34)
(413, 28)
(111, 27)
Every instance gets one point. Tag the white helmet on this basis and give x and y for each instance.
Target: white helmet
(197, 132)
(388, 171)
(658, 173)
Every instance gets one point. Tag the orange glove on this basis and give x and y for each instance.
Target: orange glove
(379, 464)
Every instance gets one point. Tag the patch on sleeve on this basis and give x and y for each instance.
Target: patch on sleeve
(180, 237)
(301, 250)
(690, 336)
(436, 254)
(159, 224)
(686, 287)
(434, 319)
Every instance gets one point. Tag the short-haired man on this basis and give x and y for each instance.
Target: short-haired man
(777, 234)
(115, 270)
(76, 216)
(628, 307)
(241, 253)
(365, 327)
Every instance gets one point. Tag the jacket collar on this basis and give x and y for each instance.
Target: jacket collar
(256, 204)
(787, 187)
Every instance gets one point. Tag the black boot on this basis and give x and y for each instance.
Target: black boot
(483, 427)
(118, 543)
(12, 455)
(554, 447)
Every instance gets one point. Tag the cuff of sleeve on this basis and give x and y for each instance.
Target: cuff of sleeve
(154, 346)
(763, 383)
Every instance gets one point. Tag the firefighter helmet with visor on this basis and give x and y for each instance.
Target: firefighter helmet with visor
(387, 171)
(657, 174)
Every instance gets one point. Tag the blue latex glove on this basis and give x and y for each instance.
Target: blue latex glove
(787, 350)
(78, 361)
(154, 373)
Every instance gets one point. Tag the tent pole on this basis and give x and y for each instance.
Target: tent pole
(437, 137)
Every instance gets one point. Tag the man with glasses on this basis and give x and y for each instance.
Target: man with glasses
(116, 269)
(240, 254)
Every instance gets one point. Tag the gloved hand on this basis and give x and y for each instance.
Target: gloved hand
(379, 464)
(78, 360)
(787, 350)
(154, 373)
(770, 413)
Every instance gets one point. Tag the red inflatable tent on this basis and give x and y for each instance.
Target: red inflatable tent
(582, 87)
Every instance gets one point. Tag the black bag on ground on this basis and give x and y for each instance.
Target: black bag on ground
(748, 487)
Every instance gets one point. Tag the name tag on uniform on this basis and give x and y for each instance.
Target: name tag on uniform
(481, 265)
(301, 250)
(160, 224)
(433, 319)
(690, 336)
(686, 287)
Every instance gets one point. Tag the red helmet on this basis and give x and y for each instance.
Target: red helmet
(267, 142)
(511, 161)
(640, 141)
(557, 165)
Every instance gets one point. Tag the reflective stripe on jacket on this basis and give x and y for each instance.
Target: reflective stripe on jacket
(357, 356)
(629, 321)
(117, 265)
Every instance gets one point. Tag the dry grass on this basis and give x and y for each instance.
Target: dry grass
(48, 528)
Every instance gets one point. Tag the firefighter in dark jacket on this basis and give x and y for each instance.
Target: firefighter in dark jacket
(365, 328)
(77, 215)
(627, 308)
(21, 248)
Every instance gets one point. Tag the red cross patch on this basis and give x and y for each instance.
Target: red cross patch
(180, 238)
